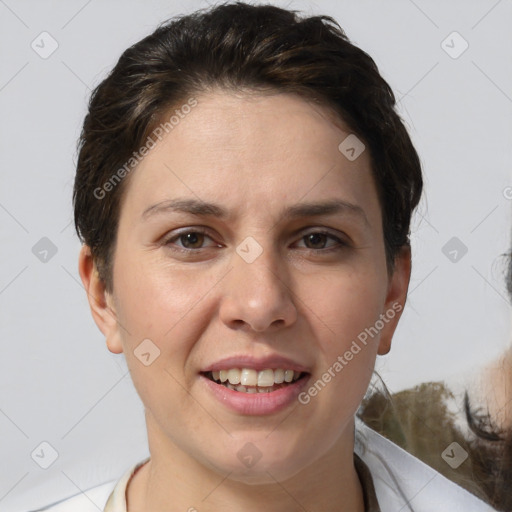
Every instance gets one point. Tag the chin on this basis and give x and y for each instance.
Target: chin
(254, 467)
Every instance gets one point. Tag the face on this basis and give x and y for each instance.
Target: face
(250, 248)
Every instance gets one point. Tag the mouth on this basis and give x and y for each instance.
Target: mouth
(248, 380)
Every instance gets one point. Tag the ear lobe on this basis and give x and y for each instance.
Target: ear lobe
(100, 301)
(395, 299)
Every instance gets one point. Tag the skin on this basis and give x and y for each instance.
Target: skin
(494, 390)
(254, 155)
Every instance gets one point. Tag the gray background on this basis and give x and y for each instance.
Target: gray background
(59, 383)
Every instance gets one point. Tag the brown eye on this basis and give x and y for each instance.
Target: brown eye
(192, 240)
(316, 240)
(322, 242)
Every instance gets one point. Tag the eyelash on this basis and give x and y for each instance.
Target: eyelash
(169, 242)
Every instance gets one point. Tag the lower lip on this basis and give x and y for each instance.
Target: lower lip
(256, 404)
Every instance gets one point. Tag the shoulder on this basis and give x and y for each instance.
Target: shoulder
(108, 497)
(403, 482)
(91, 500)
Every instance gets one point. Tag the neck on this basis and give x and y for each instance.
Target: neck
(174, 481)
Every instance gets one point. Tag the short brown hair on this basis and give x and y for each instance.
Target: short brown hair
(237, 46)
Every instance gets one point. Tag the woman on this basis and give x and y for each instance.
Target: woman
(244, 191)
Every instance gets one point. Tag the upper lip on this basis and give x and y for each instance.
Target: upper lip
(273, 362)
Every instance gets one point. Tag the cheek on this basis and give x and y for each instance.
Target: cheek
(163, 315)
(172, 309)
(155, 298)
(345, 304)
(344, 312)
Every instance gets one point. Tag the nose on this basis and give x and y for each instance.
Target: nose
(256, 296)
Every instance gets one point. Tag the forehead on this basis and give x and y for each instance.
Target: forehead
(254, 149)
(252, 125)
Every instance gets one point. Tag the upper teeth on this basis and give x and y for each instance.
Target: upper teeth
(250, 377)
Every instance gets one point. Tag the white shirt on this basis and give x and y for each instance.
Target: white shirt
(402, 483)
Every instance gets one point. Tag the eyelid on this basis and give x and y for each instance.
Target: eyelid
(340, 240)
(167, 239)
(325, 230)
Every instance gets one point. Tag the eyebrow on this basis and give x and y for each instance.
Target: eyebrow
(206, 209)
(192, 206)
(331, 207)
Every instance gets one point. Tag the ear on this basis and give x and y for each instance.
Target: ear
(100, 301)
(395, 299)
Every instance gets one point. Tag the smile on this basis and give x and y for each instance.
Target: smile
(248, 380)
(249, 385)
